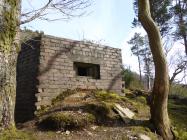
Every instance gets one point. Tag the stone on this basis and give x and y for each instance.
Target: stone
(94, 127)
(125, 111)
(80, 111)
(67, 132)
(89, 133)
(144, 137)
(58, 132)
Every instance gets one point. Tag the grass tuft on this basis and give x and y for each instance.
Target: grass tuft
(13, 134)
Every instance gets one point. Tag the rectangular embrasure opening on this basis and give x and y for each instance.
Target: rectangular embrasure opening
(87, 70)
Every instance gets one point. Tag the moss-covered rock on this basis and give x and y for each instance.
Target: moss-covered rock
(103, 112)
(66, 120)
(104, 95)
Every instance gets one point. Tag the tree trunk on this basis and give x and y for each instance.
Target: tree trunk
(140, 71)
(185, 43)
(147, 67)
(7, 89)
(159, 112)
(148, 82)
(182, 25)
(9, 43)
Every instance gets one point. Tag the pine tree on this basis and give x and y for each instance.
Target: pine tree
(179, 10)
(137, 43)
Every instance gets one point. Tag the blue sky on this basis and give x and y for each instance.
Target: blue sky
(109, 22)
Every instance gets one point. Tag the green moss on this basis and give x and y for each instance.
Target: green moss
(141, 99)
(55, 101)
(124, 137)
(139, 105)
(103, 95)
(14, 134)
(144, 130)
(42, 111)
(178, 115)
(127, 91)
(67, 120)
(103, 112)
(10, 19)
(62, 95)
(140, 129)
(182, 135)
(99, 110)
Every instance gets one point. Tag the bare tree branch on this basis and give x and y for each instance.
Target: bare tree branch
(37, 14)
(179, 69)
(66, 8)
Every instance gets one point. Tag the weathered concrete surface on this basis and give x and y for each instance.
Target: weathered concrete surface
(46, 68)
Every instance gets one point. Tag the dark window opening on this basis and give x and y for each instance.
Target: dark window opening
(81, 71)
(87, 69)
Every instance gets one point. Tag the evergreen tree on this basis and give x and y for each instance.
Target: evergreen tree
(179, 10)
(160, 13)
(147, 58)
(137, 43)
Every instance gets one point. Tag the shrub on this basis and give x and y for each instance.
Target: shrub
(136, 84)
(131, 79)
(127, 76)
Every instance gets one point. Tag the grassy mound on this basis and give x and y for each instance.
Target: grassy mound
(96, 106)
(66, 120)
(76, 109)
(63, 113)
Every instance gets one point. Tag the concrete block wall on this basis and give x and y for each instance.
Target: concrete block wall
(45, 67)
(27, 71)
(56, 68)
